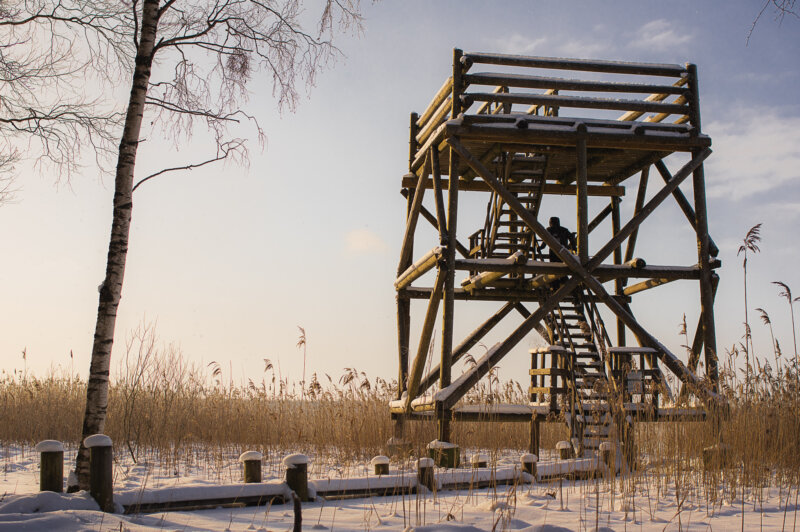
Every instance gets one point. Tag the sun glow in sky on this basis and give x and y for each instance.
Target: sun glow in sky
(229, 260)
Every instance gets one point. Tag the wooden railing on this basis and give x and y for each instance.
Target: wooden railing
(634, 94)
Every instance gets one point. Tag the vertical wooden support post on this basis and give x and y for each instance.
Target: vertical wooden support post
(251, 462)
(582, 196)
(619, 285)
(51, 472)
(445, 368)
(101, 478)
(536, 435)
(403, 329)
(528, 462)
(703, 254)
(297, 474)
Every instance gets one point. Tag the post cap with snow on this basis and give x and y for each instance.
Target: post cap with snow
(563, 445)
(438, 444)
(528, 458)
(97, 440)
(379, 460)
(49, 446)
(295, 459)
(250, 456)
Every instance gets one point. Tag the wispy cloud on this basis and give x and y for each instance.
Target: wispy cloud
(518, 44)
(659, 35)
(754, 152)
(364, 241)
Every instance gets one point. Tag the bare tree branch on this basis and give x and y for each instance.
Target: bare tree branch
(224, 152)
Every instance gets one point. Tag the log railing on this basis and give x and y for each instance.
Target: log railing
(634, 94)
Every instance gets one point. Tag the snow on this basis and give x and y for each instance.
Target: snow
(479, 458)
(563, 445)
(436, 444)
(424, 462)
(295, 459)
(510, 504)
(97, 440)
(528, 458)
(606, 446)
(251, 456)
(379, 460)
(49, 446)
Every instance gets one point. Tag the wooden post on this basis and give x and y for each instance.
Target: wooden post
(535, 441)
(251, 460)
(703, 251)
(51, 472)
(425, 338)
(448, 306)
(380, 465)
(582, 197)
(564, 450)
(425, 473)
(297, 474)
(101, 478)
(528, 462)
(619, 284)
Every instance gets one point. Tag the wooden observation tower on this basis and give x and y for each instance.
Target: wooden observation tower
(503, 126)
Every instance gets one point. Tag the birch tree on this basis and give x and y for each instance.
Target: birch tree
(205, 52)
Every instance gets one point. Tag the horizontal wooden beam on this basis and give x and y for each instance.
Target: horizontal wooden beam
(645, 285)
(585, 65)
(568, 136)
(540, 82)
(549, 188)
(423, 265)
(603, 272)
(576, 102)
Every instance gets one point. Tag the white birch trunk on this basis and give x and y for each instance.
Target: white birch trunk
(111, 289)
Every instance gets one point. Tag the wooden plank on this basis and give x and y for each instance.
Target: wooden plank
(577, 102)
(604, 272)
(540, 82)
(585, 65)
(549, 188)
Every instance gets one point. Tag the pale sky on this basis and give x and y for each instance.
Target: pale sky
(230, 260)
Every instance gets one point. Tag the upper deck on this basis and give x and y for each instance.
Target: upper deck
(629, 114)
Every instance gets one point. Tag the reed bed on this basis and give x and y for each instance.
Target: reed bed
(166, 411)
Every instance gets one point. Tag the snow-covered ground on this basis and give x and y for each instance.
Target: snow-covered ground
(550, 506)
